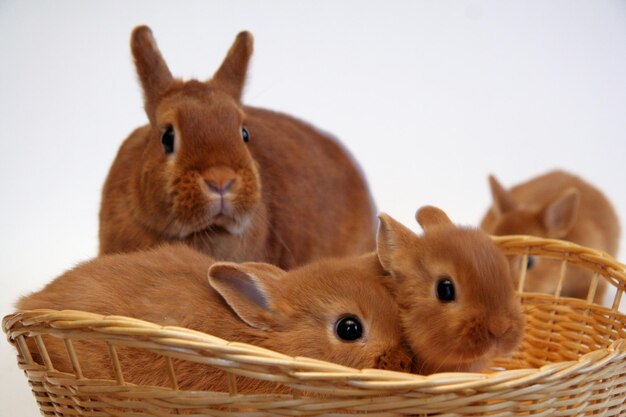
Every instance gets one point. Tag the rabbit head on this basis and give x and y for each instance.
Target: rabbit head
(339, 310)
(197, 171)
(554, 219)
(458, 306)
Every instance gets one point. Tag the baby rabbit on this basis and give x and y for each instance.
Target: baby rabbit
(235, 182)
(556, 205)
(458, 307)
(339, 310)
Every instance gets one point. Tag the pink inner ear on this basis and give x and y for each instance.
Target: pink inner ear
(248, 289)
(393, 241)
(560, 216)
(238, 286)
(244, 293)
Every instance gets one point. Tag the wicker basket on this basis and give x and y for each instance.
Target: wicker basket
(572, 362)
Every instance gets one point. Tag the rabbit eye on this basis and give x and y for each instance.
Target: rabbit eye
(445, 289)
(530, 263)
(245, 135)
(167, 140)
(349, 328)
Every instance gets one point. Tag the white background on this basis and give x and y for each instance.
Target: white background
(430, 97)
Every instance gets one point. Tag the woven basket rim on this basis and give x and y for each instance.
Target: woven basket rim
(118, 329)
(575, 253)
(307, 368)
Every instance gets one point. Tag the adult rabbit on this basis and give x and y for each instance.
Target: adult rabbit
(235, 182)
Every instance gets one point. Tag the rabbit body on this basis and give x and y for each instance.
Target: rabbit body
(293, 312)
(555, 205)
(236, 182)
(393, 292)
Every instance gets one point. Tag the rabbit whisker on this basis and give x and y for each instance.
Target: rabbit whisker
(205, 238)
(259, 216)
(443, 362)
(169, 222)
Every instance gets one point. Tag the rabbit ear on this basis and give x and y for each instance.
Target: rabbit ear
(392, 240)
(231, 75)
(503, 201)
(560, 215)
(154, 75)
(429, 216)
(248, 289)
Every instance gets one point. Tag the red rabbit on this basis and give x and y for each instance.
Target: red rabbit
(235, 182)
(340, 310)
(555, 205)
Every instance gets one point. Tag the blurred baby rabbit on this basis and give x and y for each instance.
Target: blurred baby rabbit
(236, 182)
(340, 310)
(458, 306)
(556, 205)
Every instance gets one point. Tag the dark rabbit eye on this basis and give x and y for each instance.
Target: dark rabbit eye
(445, 289)
(167, 140)
(349, 328)
(245, 135)
(530, 263)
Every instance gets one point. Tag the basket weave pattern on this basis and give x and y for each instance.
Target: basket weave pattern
(572, 362)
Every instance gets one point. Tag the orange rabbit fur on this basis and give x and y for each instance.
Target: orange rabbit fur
(236, 182)
(291, 312)
(461, 324)
(393, 292)
(555, 205)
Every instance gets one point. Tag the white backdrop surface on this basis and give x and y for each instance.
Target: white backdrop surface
(430, 97)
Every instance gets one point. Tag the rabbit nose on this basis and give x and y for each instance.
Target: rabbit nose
(498, 326)
(220, 188)
(220, 179)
